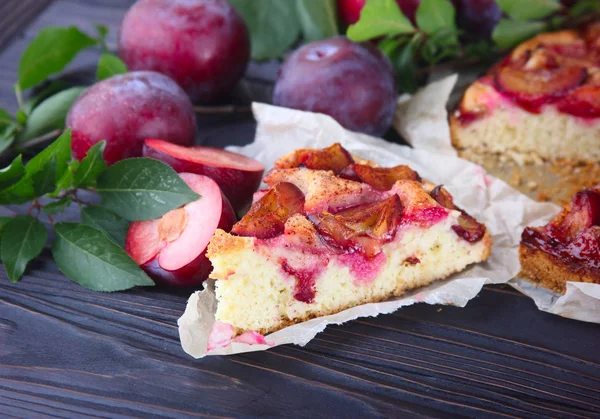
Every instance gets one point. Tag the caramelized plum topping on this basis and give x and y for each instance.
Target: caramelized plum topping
(443, 197)
(468, 228)
(583, 213)
(583, 102)
(534, 88)
(363, 228)
(335, 158)
(383, 178)
(586, 246)
(267, 217)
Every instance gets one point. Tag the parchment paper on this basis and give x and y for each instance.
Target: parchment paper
(504, 211)
(423, 122)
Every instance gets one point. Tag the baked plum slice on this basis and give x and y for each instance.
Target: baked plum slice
(583, 102)
(238, 176)
(335, 158)
(380, 178)
(468, 228)
(583, 213)
(364, 228)
(534, 88)
(172, 249)
(266, 218)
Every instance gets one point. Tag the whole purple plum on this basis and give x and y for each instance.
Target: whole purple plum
(477, 17)
(126, 109)
(351, 82)
(201, 44)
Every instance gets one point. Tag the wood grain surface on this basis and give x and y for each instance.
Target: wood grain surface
(70, 353)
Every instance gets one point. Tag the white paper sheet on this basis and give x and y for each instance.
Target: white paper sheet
(581, 300)
(504, 211)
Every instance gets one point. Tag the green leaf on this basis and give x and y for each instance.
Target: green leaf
(53, 87)
(12, 173)
(87, 256)
(57, 206)
(5, 118)
(91, 166)
(142, 189)
(110, 65)
(406, 65)
(42, 171)
(60, 149)
(50, 114)
(441, 45)
(44, 179)
(273, 26)
(584, 7)
(102, 30)
(509, 33)
(23, 239)
(435, 15)
(21, 117)
(51, 50)
(3, 223)
(318, 19)
(379, 18)
(8, 136)
(389, 46)
(19, 193)
(104, 220)
(530, 9)
(66, 180)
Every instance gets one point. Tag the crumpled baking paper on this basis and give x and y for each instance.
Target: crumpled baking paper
(504, 211)
(413, 117)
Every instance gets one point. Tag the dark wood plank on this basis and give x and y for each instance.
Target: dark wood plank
(69, 352)
(14, 14)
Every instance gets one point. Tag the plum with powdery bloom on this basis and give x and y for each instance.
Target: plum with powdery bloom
(351, 82)
(203, 45)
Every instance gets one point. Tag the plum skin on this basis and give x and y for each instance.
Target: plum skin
(351, 82)
(203, 45)
(237, 185)
(128, 108)
(194, 273)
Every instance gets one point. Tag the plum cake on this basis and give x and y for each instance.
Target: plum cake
(333, 231)
(567, 248)
(542, 101)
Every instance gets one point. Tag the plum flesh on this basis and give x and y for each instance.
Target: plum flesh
(172, 249)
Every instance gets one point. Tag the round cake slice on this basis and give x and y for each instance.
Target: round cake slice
(540, 106)
(331, 232)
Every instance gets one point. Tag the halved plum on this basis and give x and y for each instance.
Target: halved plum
(538, 87)
(172, 249)
(335, 158)
(380, 178)
(238, 176)
(364, 228)
(266, 218)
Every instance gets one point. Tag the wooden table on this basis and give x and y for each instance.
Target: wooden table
(69, 352)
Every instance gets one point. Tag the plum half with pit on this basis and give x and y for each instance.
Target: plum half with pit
(351, 82)
(238, 176)
(128, 108)
(202, 44)
(172, 249)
